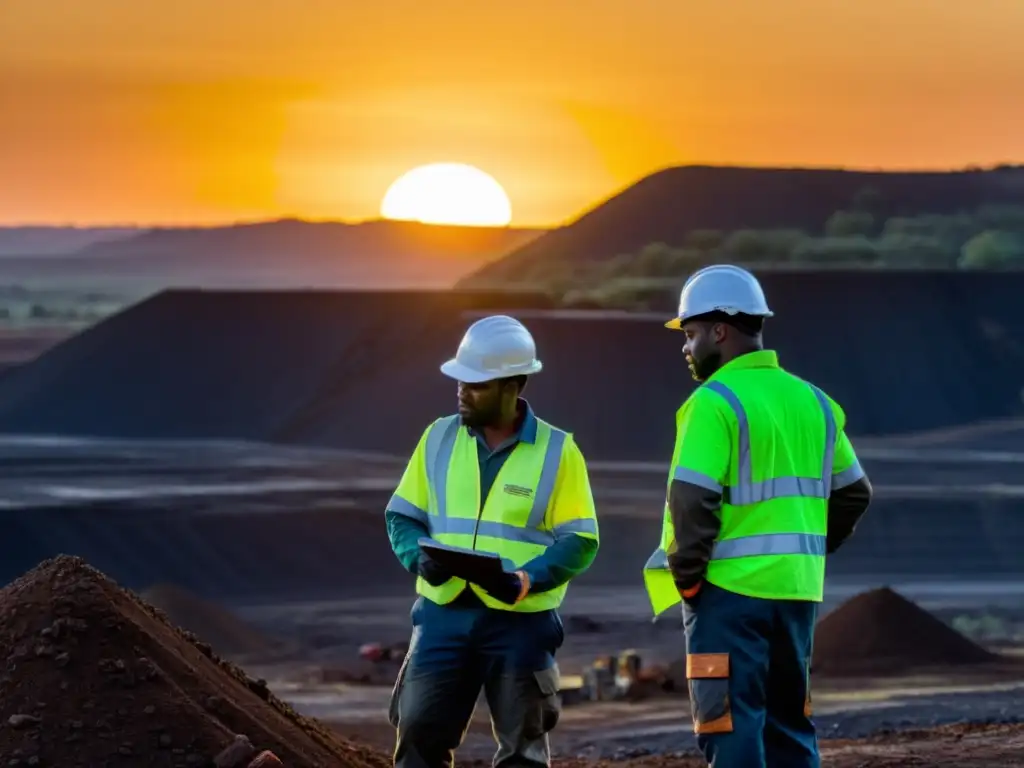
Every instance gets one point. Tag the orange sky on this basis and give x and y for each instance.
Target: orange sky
(212, 110)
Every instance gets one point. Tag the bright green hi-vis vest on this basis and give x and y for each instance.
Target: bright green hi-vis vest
(542, 492)
(774, 446)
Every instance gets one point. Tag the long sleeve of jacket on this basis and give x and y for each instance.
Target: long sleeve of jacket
(404, 533)
(406, 516)
(695, 518)
(567, 558)
(846, 506)
(700, 470)
(850, 494)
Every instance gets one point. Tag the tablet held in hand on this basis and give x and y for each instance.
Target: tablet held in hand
(481, 568)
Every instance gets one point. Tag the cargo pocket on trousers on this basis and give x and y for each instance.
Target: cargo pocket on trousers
(550, 705)
(707, 676)
(396, 692)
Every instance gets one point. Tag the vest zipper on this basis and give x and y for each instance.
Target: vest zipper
(483, 503)
(479, 516)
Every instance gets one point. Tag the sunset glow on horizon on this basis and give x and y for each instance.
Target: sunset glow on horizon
(124, 112)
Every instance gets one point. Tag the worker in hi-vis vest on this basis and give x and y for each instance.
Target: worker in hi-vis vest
(493, 478)
(763, 484)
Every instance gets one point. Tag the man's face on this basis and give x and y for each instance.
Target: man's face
(702, 348)
(480, 405)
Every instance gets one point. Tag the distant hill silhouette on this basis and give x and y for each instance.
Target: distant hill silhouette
(55, 241)
(283, 252)
(294, 238)
(667, 206)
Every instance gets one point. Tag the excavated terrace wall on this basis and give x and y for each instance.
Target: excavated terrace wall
(900, 351)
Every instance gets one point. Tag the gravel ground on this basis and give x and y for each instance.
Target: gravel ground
(660, 729)
(926, 711)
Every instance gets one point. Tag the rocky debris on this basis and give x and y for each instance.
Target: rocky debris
(357, 672)
(266, 760)
(216, 625)
(237, 754)
(22, 721)
(880, 632)
(377, 652)
(579, 624)
(376, 664)
(94, 676)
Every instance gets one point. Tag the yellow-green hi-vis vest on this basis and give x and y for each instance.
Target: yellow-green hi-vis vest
(441, 488)
(774, 521)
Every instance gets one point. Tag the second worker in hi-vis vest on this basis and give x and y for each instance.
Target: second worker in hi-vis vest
(493, 478)
(764, 483)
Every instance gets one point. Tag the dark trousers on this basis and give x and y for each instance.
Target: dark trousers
(455, 651)
(748, 664)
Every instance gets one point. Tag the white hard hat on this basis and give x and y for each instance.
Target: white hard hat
(494, 347)
(720, 288)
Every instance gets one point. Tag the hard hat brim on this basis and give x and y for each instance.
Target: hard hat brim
(453, 369)
(676, 324)
(456, 370)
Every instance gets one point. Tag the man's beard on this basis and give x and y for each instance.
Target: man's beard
(476, 419)
(703, 369)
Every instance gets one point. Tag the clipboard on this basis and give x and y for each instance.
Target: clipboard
(481, 568)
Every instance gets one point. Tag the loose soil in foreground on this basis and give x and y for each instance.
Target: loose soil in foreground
(955, 746)
(96, 677)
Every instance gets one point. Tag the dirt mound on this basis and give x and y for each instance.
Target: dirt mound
(210, 622)
(95, 676)
(881, 632)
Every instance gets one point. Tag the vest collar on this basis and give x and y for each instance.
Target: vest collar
(528, 429)
(527, 432)
(762, 358)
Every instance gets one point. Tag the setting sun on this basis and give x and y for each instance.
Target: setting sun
(448, 193)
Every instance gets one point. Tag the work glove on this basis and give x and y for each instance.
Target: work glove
(510, 589)
(692, 595)
(434, 574)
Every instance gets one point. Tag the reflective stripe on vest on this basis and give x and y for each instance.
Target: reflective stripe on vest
(513, 525)
(747, 492)
(441, 445)
(752, 546)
